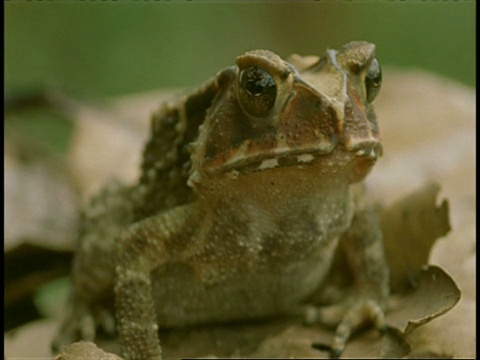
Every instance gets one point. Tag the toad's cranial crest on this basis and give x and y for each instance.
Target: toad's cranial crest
(248, 185)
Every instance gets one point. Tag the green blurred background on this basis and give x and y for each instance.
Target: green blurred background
(103, 48)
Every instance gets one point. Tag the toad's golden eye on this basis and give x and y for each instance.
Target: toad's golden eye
(257, 91)
(373, 80)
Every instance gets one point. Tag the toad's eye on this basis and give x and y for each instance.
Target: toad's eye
(257, 91)
(373, 80)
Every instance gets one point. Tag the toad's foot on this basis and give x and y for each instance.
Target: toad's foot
(81, 323)
(347, 316)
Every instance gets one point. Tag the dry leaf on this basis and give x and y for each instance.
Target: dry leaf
(85, 350)
(30, 341)
(410, 227)
(435, 294)
(452, 335)
(428, 129)
(108, 141)
(371, 344)
(40, 204)
(427, 123)
(40, 225)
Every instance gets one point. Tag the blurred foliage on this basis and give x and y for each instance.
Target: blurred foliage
(46, 126)
(102, 48)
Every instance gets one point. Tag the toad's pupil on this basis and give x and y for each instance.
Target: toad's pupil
(257, 81)
(373, 80)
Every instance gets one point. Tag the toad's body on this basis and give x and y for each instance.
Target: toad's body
(247, 189)
(250, 246)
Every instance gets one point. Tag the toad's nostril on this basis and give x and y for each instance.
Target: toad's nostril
(369, 150)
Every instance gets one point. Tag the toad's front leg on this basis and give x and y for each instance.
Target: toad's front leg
(364, 250)
(141, 248)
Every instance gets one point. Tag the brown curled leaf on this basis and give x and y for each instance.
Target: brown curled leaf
(435, 294)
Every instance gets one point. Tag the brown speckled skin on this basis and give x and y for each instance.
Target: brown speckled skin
(237, 217)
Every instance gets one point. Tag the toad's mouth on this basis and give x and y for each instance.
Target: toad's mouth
(245, 163)
(280, 159)
(252, 157)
